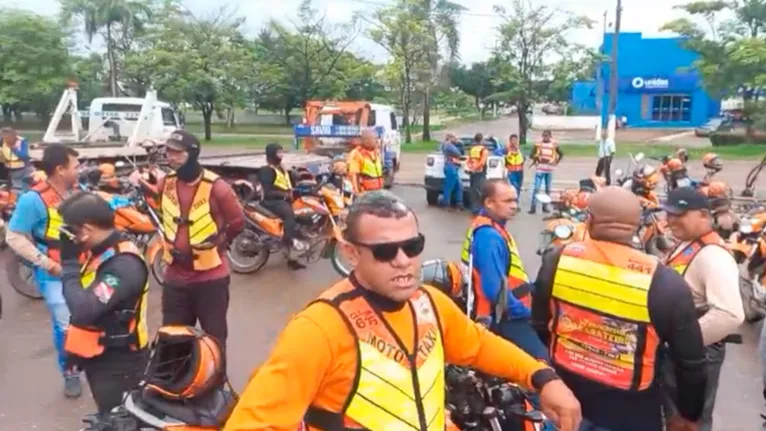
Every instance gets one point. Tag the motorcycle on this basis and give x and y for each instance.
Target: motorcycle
(654, 233)
(564, 225)
(624, 178)
(748, 246)
(319, 212)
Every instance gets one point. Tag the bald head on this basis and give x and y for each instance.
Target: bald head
(368, 139)
(615, 214)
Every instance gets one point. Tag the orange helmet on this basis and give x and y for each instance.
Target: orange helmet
(107, 170)
(718, 189)
(443, 275)
(712, 162)
(646, 176)
(675, 164)
(186, 363)
(581, 200)
(682, 155)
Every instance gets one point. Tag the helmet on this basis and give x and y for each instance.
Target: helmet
(443, 275)
(339, 167)
(186, 363)
(567, 197)
(580, 201)
(682, 155)
(107, 170)
(712, 162)
(675, 165)
(244, 189)
(718, 189)
(646, 176)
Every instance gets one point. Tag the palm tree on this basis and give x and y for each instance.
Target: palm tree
(113, 17)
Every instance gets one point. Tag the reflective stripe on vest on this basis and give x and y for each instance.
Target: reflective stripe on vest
(390, 392)
(517, 276)
(514, 161)
(12, 161)
(282, 179)
(475, 155)
(681, 261)
(601, 328)
(200, 221)
(371, 173)
(546, 152)
(89, 342)
(51, 199)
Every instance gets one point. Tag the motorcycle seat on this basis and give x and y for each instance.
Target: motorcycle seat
(211, 410)
(257, 206)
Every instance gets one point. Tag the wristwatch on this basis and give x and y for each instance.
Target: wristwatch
(542, 377)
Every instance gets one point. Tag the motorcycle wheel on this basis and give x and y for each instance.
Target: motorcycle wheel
(657, 246)
(245, 263)
(339, 262)
(158, 269)
(21, 277)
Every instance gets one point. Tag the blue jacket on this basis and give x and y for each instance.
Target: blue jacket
(449, 150)
(23, 151)
(492, 258)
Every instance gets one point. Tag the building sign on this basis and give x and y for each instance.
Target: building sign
(650, 83)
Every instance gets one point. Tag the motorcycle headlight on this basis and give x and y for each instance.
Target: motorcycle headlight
(746, 227)
(562, 231)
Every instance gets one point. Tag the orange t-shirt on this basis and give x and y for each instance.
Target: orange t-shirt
(315, 359)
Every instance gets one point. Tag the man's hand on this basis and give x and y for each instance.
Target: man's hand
(70, 250)
(54, 269)
(560, 405)
(677, 423)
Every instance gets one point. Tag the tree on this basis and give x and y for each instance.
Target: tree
(477, 82)
(207, 67)
(116, 18)
(308, 57)
(406, 37)
(579, 65)
(34, 62)
(530, 36)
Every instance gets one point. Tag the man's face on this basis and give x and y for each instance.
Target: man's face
(69, 172)
(546, 137)
(9, 137)
(368, 140)
(83, 235)
(689, 225)
(504, 203)
(176, 156)
(514, 141)
(386, 255)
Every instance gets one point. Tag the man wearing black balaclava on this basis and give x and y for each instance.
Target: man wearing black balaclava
(201, 215)
(277, 185)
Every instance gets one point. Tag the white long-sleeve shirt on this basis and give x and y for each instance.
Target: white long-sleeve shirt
(713, 277)
(606, 147)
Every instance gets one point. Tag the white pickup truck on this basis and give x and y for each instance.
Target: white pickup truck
(434, 169)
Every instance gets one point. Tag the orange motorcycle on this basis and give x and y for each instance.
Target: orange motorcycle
(319, 212)
(567, 222)
(654, 233)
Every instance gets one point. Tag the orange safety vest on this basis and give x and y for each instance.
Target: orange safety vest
(681, 261)
(12, 160)
(601, 329)
(518, 281)
(128, 326)
(393, 389)
(514, 161)
(198, 217)
(50, 239)
(477, 158)
(545, 152)
(371, 171)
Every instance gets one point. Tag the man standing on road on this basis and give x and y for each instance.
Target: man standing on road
(497, 273)
(545, 156)
(33, 234)
(514, 163)
(606, 309)
(476, 165)
(15, 154)
(107, 296)
(379, 340)
(711, 272)
(453, 185)
(606, 150)
(201, 215)
(365, 164)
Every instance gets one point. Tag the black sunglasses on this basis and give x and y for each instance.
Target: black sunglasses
(387, 251)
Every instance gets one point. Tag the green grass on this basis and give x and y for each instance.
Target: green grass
(254, 142)
(244, 129)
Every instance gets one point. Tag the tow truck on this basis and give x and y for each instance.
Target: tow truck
(434, 169)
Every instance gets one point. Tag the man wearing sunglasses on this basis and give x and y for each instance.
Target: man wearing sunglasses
(370, 351)
(501, 289)
(107, 296)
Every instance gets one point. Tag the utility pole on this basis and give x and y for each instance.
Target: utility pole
(613, 73)
(600, 72)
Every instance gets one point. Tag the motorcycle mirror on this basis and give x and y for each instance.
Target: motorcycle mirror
(618, 173)
(543, 198)
(638, 157)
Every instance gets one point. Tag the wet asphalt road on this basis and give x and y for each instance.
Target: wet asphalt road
(30, 388)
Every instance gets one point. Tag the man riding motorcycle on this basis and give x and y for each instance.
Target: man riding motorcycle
(645, 179)
(712, 164)
(278, 195)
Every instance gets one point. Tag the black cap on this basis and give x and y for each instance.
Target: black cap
(685, 199)
(182, 140)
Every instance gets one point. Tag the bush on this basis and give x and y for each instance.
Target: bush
(724, 139)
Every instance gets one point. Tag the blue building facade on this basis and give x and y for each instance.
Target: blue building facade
(657, 85)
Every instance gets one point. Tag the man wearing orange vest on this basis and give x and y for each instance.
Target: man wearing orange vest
(712, 275)
(476, 166)
(33, 234)
(514, 163)
(107, 296)
(500, 286)
(609, 314)
(546, 155)
(369, 353)
(365, 165)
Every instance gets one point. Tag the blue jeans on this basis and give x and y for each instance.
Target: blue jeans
(540, 178)
(521, 333)
(516, 178)
(587, 425)
(53, 295)
(18, 179)
(452, 185)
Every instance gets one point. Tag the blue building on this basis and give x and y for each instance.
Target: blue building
(657, 85)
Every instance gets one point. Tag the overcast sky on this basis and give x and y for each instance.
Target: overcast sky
(477, 25)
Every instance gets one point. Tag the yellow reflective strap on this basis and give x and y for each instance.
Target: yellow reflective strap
(141, 327)
(54, 223)
(202, 229)
(608, 289)
(431, 381)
